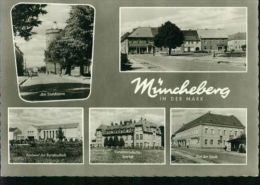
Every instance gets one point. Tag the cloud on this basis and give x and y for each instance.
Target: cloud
(231, 19)
(41, 116)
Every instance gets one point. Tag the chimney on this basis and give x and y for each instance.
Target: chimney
(121, 123)
(131, 121)
(112, 124)
(134, 121)
(145, 120)
(116, 124)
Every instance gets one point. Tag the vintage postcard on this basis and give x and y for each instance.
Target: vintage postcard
(45, 135)
(183, 39)
(53, 46)
(208, 136)
(127, 135)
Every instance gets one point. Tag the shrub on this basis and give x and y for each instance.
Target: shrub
(242, 148)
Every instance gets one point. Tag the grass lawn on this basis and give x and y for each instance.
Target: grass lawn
(126, 156)
(47, 153)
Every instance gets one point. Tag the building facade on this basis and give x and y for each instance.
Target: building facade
(71, 131)
(208, 131)
(140, 134)
(14, 133)
(141, 41)
(213, 40)
(191, 41)
(237, 42)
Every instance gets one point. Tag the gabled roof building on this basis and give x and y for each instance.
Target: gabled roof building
(237, 42)
(139, 134)
(141, 40)
(208, 131)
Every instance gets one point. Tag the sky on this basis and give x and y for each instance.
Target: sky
(106, 116)
(34, 48)
(232, 19)
(23, 118)
(183, 116)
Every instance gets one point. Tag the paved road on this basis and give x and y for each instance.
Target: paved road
(187, 63)
(208, 156)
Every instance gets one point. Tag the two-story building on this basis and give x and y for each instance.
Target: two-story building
(136, 134)
(141, 40)
(237, 42)
(213, 40)
(208, 131)
(191, 41)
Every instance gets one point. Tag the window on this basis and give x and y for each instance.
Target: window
(141, 145)
(141, 136)
(137, 136)
(224, 132)
(219, 141)
(126, 137)
(205, 47)
(211, 141)
(219, 131)
(212, 131)
(235, 133)
(137, 144)
(206, 130)
(206, 141)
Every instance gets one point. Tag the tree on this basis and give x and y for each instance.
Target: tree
(25, 17)
(169, 35)
(243, 47)
(60, 134)
(110, 142)
(121, 142)
(74, 45)
(116, 141)
(106, 142)
(162, 135)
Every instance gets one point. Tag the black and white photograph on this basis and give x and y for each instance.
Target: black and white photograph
(53, 46)
(127, 135)
(209, 136)
(45, 135)
(183, 39)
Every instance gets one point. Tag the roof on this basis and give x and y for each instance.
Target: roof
(237, 36)
(16, 130)
(190, 35)
(124, 36)
(143, 32)
(213, 120)
(145, 124)
(212, 33)
(56, 126)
